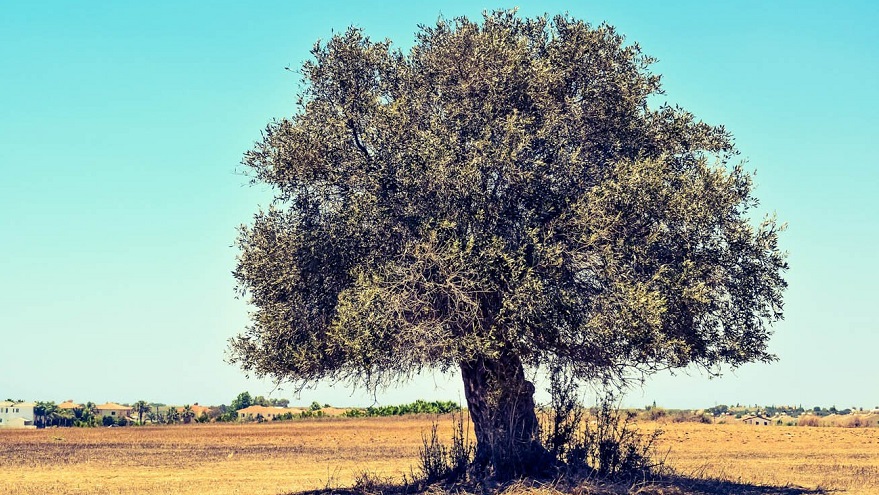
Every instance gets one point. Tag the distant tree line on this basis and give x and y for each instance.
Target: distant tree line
(417, 407)
(48, 414)
(739, 410)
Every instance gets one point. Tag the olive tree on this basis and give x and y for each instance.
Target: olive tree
(501, 198)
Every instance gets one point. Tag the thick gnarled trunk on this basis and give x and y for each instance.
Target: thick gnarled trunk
(501, 404)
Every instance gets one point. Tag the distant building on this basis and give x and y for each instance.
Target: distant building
(113, 410)
(69, 405)
(196, 409)
(16, 414)
(756, 420)
(265, 412)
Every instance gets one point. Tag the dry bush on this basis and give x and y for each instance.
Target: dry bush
(855, 421)
(691, 417)
(808, 420)
(437, 461)
(614, 448)
(840, 421)
(604, 443)
(654, 413)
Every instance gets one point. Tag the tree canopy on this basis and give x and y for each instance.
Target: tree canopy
(503, 196)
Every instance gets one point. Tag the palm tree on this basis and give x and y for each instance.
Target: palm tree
(140, 407)
(173, 416)
(188, 414)
(89, 413)
(65, 417)
(41, 412)
(52, 414)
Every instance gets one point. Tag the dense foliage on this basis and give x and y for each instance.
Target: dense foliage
(417, 407)
(500, 197)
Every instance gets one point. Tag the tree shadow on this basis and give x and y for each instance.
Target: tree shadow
(667, 485)
(672, 485)
(683, 485)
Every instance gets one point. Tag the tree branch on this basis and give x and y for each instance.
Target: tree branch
(357, 141)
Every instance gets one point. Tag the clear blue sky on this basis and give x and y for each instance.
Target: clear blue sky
(122, 125)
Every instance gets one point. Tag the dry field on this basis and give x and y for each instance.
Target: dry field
(841, 460)
(274, 458)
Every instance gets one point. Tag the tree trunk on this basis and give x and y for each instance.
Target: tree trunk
(501, 404)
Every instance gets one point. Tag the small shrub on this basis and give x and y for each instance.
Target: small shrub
(433, 457)
(855, 421)
(562, 423)
(807, 420)
(368, 483)
(605, 443)
(690, 417)
(656, 413)
(614, 448)
(438, 462)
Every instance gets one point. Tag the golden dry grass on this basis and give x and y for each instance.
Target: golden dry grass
(273, 458)
(218, 459)
(843, 459)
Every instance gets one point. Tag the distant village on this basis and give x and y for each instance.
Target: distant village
(854, 417)
(245, 408)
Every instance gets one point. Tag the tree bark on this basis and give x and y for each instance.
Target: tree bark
(501, 405)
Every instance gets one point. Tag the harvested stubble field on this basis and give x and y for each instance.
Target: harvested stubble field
(273, 458)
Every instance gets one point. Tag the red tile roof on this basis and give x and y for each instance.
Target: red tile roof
(197, 409)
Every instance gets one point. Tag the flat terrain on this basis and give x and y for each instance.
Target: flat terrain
(274, 458)
(843, 460)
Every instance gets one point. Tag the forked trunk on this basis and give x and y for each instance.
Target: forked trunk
(501, 404)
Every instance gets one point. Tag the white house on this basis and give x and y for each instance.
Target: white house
(16, 414)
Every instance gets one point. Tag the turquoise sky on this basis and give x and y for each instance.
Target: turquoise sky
(122, 125)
